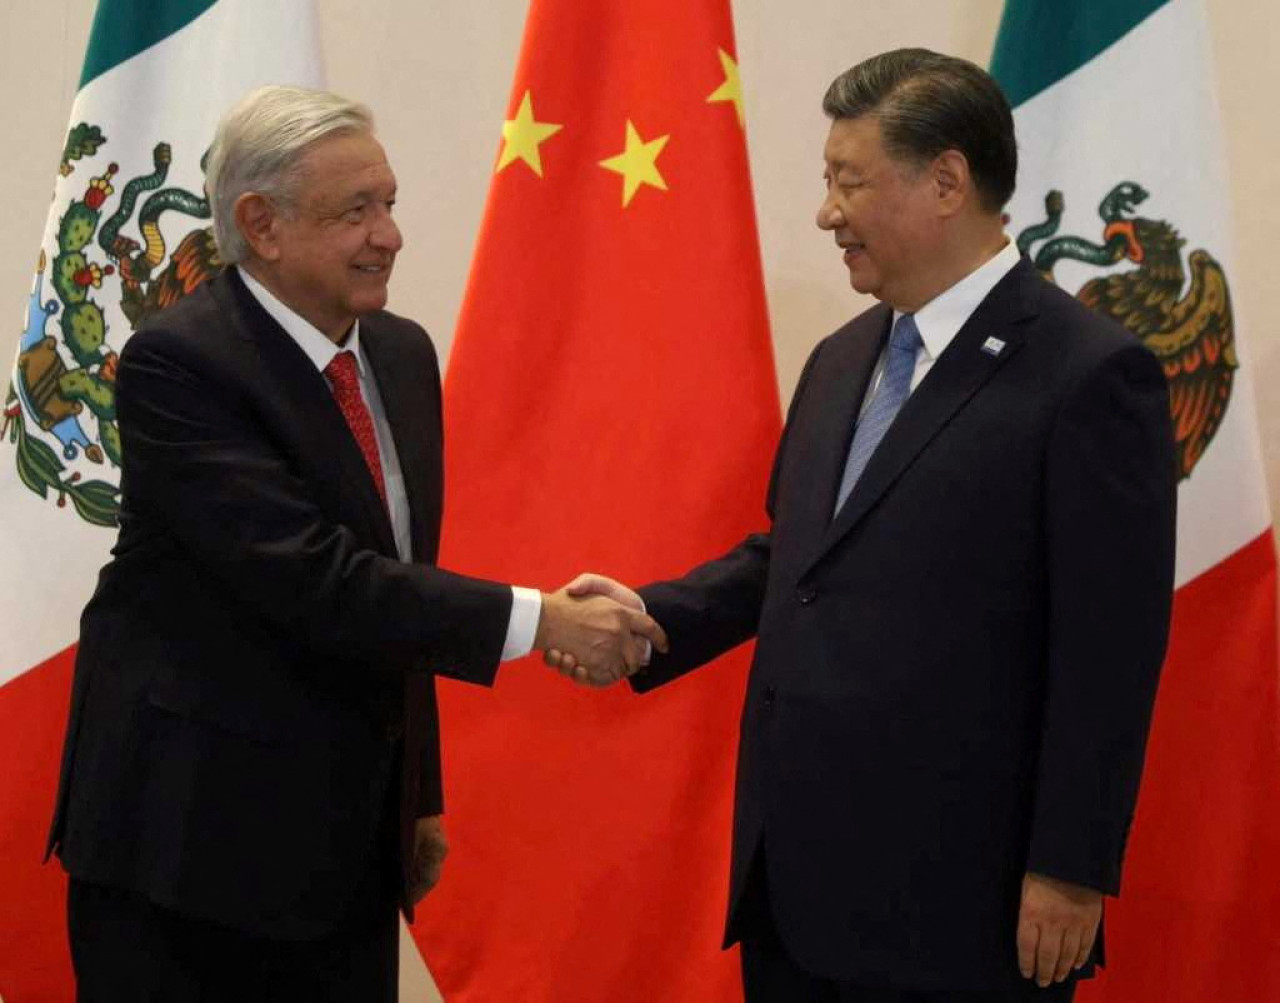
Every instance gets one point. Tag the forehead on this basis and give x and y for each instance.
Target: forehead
(344, 164)
(853, 141)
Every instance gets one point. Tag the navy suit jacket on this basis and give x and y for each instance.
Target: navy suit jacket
(953, 679)
(255, 671)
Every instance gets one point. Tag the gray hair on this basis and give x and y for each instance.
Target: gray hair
(927, 103)
(258, 147)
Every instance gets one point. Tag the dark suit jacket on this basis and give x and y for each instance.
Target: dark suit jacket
(953, 680)
(255, 666)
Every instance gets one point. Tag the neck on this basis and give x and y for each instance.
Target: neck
(960, 257)
(335, 329)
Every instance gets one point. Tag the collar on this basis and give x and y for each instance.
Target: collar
(940, 320)
(318, 348)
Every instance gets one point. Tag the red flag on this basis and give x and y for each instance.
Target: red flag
(1198, 915)
(611, 405)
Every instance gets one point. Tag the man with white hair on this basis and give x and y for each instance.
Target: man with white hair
(251, 778)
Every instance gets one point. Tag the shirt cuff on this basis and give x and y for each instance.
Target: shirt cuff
(526, 610)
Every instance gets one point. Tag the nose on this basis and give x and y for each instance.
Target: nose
(385, 235)
(829, 216)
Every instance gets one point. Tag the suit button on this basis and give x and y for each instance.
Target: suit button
(806, 594)
(769, 694)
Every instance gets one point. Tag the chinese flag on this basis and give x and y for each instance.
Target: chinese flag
(611, 405)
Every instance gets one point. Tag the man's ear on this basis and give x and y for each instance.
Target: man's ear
(256, 219)
(952, 182)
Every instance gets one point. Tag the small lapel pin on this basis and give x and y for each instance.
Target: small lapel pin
(993, 346)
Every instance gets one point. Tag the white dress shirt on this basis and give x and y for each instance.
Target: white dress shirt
(940, 320)
(526, 606)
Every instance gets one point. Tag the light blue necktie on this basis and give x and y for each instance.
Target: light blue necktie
(894, 387)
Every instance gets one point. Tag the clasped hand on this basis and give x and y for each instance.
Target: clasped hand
(595, 631)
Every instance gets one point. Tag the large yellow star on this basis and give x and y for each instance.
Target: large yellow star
(522, 136)
(638, 163)
(731, 89)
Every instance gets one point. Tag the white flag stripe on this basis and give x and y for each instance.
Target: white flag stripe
(172, 92)
(1159, 128)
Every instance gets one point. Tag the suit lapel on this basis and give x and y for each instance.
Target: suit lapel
(301, 390)
(954, 379)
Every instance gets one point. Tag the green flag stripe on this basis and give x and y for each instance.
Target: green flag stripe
(123, 28)
(1041, 41)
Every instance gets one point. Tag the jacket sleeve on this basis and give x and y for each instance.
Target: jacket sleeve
(1111, 490)
(717, 605)
(199, 463)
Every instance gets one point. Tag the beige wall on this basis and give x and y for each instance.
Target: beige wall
(438, 75)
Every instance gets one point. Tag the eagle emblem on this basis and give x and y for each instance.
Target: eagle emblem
(1192, 333)
(60, 412)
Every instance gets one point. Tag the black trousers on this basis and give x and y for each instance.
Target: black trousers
(126, 949)
(769, 975)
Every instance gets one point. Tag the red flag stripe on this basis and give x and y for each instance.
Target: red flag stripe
(35, 963)
(1197, 916)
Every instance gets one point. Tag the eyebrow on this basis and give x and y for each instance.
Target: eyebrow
(368, 195)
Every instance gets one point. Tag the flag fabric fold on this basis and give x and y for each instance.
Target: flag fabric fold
(1123, 200)
(128, 233)
(611, 406)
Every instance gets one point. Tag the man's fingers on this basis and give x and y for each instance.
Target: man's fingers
(1086, 948)
(430, 849)
(1070, 951)
(643, 625)
(428, 878)
(1028, 945)
(641, 649)
(1066, 917)
(601, 585)
(602, 675)
(562, 662)
(633, 651)
(585, 585)
(1047, 955)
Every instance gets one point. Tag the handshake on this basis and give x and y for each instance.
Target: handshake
(595, 631)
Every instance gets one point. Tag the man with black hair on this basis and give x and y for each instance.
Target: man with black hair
(962, 604)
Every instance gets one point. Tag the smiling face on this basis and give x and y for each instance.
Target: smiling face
(330, 256)
(882, 212)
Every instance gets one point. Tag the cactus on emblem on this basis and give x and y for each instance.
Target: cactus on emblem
(60, 411)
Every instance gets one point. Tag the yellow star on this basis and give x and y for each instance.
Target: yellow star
(522, 135)
(731, 89)
(638, 163)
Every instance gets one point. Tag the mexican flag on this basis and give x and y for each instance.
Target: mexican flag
(127, 234)
(1122, 200)
(611, 405)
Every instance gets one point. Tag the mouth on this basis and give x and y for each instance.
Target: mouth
(851, 250)
(373, 269)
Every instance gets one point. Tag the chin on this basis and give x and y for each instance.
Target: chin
(863, 285)
(368, 303)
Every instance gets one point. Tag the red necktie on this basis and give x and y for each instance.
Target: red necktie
(344, 380)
